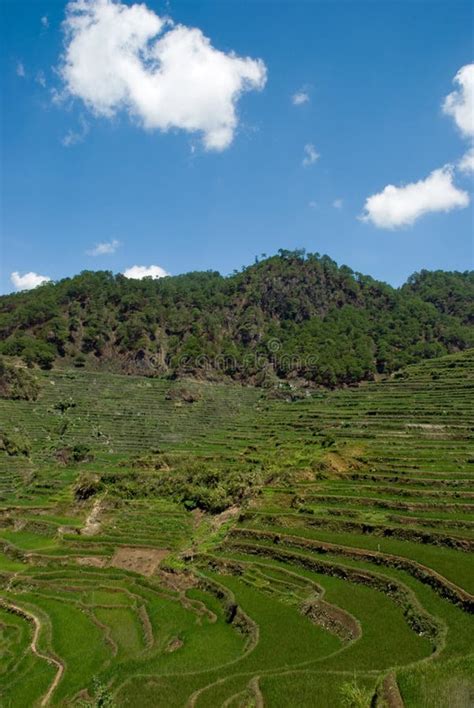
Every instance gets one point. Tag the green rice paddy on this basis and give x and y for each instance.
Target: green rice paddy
(346, 571)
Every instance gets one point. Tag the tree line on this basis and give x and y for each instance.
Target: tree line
(292, 316)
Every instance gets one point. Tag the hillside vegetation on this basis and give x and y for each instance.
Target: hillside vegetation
(207, 544)
(291, 316)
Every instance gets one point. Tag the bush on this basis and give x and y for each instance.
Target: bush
(79, 361)
(63, 406)
(81, 453)
(328, 441)
(14, 444)
(17, 383)
(88, 485)
(73, 455)
(39, 353)
(191, 483)
(182, 393)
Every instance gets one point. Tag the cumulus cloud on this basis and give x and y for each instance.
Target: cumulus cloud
(338, 204)
(299, 98)
(139, 272)
(313, 204)
(460, 103)
(28, 281)
(20, 70)
(402, 206)
(125, 57)
(103, 249)
(45, 21)
(460, 106)
(466, 163)
(310, 155)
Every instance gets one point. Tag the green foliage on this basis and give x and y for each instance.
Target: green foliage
(79, 361)
(73, 455)
(87, 485)
(32, 349)
(328, 441)
(193, 483)
(101, 698)
(450, 293)
(80, 453)
(290, 316)
(16, 383)
(63, 405)
(353, 696)
(14, 443)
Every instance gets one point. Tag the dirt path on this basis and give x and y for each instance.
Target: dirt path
(254, 687)
(34, 646)
(391, 692)
(250, 692)
(92, 524)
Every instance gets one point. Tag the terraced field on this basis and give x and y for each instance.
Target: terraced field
(344, 577)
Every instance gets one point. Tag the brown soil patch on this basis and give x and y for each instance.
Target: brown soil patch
(93, 561)
(174, 645)
(225, 516)
(391, 693)
(333, 619)
(92, 524)
(179, 582)
(139, 560)
(197, 515)
(334, 461)
(342, 462)
(146, 626)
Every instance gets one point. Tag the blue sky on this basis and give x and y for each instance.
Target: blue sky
(374, 77)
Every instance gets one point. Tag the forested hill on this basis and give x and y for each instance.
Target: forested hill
(290, 316)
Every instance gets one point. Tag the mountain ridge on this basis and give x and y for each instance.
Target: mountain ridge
(291, 316)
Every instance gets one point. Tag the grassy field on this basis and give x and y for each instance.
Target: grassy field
(170, 543)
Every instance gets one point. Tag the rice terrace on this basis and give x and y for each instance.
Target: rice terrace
(341, 570)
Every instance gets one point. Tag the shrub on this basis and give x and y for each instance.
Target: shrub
(64, 405)
(353, 696)
(17, 383)
(14, 444)
(87, 486)
(78, 453)
(79, 361)
(328, 440)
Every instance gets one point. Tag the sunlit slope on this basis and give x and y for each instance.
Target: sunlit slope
(348, 572)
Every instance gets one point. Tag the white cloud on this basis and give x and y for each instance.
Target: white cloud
(20, 70)
(41, 79)
(73, 137)
(338, 204)
(460, 103)
(310, 155)
(402, 206)
(466, 163)
(28, 281)
(139, 272)
(104, 248)
(45, 21)
(299, 98)
(125, 57)
(313, 204)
